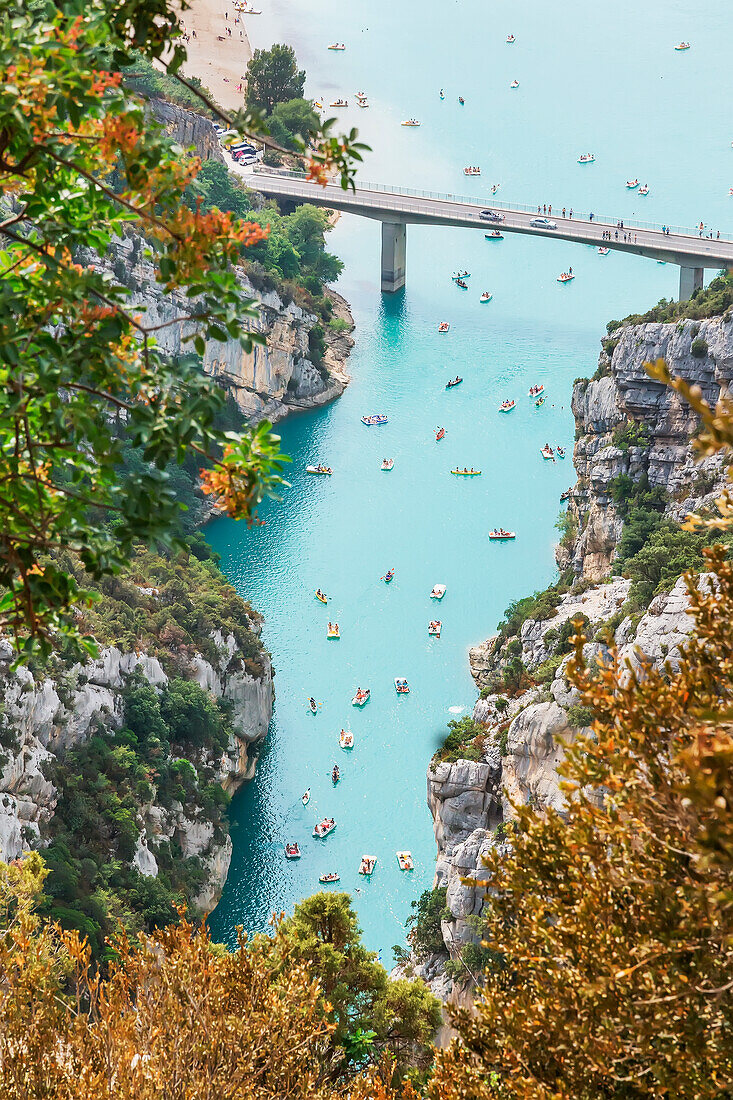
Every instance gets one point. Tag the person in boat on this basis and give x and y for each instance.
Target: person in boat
(570, 271)
(335, 774)
(313, 704)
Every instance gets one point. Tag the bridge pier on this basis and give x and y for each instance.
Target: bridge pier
(691, 279)
(394, 255)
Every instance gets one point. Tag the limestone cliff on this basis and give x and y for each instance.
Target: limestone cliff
(627, 424)
(271, 380)
(51, 710)
(629, 427)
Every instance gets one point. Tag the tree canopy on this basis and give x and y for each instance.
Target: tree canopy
(273, 77)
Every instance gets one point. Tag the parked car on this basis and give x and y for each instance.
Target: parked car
(246, 160)
(543, 223)
(491, 216)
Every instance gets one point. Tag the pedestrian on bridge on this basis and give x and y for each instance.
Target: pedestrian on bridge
(590, 216)
(571, 214)
(563, 211)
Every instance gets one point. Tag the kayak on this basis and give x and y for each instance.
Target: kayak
(388, 576)
(466, 473)
(322, 597)
(439, 434)
(455, 382)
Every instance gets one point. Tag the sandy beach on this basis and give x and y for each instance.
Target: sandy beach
(216, 58)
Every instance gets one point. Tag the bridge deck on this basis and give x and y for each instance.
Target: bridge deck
(682, 247)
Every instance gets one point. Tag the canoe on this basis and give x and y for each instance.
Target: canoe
(466, 473)
(456, 382)
(497, 536)
(405, 861)
(438, 592)
(332, 877)
(367, 865)
(306, 797)
(560, 454)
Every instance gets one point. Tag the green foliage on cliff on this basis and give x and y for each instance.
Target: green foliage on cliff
(425, 935)
(165, 752)
(712, 301)
(464, 742)
(171, 608)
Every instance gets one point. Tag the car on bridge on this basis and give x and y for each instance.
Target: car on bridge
(491, 216)
(543, 223)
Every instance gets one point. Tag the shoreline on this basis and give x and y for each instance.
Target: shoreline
(217, 60)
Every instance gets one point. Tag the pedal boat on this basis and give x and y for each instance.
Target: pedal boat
(547, 452)
(444, 326)
(292, 851)
(405, 861)
(507, 406)
(361, 698)
(323, 828)
(438, 592)
(346, 739)
(401, 686)
(388, 464)
(334, 632)
(434, 628)
(367, 865)
(486, 297)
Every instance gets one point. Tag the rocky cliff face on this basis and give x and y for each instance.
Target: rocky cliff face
(44, 716)
(628, 425)
(271, 380)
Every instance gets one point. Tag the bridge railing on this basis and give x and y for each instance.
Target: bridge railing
(495, 204)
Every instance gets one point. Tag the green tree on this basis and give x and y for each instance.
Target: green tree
(273, 77)
(297, 118)
(324, 932)
(192, 715)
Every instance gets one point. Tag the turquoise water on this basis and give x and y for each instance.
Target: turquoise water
(644, 110)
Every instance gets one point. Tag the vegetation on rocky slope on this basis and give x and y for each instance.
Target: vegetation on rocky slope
(713, 300)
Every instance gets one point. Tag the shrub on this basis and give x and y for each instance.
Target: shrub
(339, 324)
(545, 673)
(579, 716)
(634, 433)
(699, 348)
(465, 741)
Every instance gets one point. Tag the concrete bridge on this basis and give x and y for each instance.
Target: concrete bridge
(396, 207)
